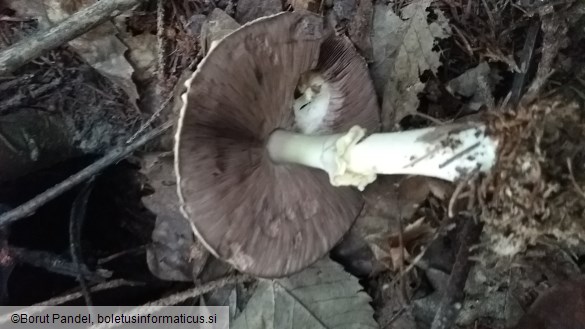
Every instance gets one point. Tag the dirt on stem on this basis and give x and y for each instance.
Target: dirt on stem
(536, 188)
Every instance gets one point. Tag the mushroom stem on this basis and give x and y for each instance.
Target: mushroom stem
(447, 152)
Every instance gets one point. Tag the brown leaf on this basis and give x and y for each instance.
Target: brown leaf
(217, 25)
(175, 254)
(404, 49)
(310, 5)
(249, 10)
(389, 201)
(394, 253)
(100, 47)
(360, 28)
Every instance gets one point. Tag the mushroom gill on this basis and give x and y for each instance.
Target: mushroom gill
(265, 218)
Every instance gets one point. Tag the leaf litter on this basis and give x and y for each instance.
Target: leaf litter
(322, 296)
(401, 245)
(404, 48)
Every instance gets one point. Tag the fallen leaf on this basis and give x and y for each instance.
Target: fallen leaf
(360, 28)
(142, 54)
(174, 254)
(392, 200)
(195, 24)
(477, 83)
(322, 296)
(343, 11)
(236, 296)
(389, 250)
(100, 47)
(310, 5)
(217, 25)
(356, 256)
(223, 296)
(403, 50)
(249, 10)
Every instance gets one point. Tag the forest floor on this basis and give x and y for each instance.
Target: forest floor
(104, 101)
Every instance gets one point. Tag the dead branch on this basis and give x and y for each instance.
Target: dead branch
(76, 220)
(182, 296)
(7, 261)
(554, 30)
(55, 264)
(526, 59)
(28, 208)
(77, 24)
(454, 294)
(109, 285)
(147, 308)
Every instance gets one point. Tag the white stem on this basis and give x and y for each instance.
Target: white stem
(447, 152)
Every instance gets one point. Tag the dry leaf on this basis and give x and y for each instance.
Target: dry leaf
(217, 25)
(478, 84)
(249, 10)
(356, 256)
(360, 28)
(388, 248)
(142, 54)
(389, 201)
(99, 47)
(310, 5)
(403, 50)
(174, 254)
(321, 296)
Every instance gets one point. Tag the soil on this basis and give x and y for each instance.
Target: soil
(59, 114)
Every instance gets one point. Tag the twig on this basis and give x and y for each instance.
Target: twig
(5, 319)
(526, 58)
(454, 293)
(162, 50)
(75, 223)
(28, 208)
(458, 189)
(21, 99)
(572, 177)
(40, 307)
(150, 120)
(7, 262)
(55, 264)
(200, 290)
(76, 295)
(554, 32)
(75, 25)
(180, 297)
(134, 251)
(147, 308)
(4, 18)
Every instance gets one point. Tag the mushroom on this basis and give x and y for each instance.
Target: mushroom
(250, 154)
(266, 218)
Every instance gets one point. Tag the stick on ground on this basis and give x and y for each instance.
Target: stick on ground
(55, 264)
(77, 24)
(75, 223)
(179, 298)
(28, 208)
(454, 294)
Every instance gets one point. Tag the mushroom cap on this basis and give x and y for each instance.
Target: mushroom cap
(265, 219)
